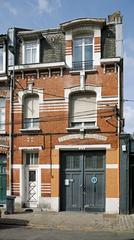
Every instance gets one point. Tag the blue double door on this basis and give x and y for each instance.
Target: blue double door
(82, 181)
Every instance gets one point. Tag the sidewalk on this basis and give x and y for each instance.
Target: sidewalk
(72, 221)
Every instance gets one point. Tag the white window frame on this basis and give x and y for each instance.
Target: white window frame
(2, 109)
(24, 51)
(82, 45)
(33, 124)
(4, 58)
(32, 157)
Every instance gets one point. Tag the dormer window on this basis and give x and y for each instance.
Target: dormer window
(83, 53)
(31, 52)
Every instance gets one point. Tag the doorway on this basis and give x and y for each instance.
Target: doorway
(82, 181)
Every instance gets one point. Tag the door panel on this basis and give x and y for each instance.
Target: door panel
(82, 181)
(75, 187)
(70, 191)
(32, 193)
(99, 200)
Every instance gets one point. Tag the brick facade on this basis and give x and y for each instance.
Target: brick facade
(54, 81)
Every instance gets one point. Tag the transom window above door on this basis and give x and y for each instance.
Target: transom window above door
(32, 158)
(31, 52)
(83, 53)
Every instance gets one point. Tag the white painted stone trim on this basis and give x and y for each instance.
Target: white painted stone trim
(96, 89)
(83, 147)
(41, 166)
(112, 205)
(68, 35)
(78, 136)
(30, 148)
(112, 166)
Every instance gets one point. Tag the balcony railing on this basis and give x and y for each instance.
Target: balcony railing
(82, 65)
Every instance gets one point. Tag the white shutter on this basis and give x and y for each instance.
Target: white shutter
(31, 107)
(35, 107)
(2, 113)
(83, 107)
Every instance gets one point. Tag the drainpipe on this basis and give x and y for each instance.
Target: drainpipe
(118, 73)
(10, 137)
(11, 51)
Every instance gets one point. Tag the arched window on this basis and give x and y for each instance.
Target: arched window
(31, 111)
(83, 109)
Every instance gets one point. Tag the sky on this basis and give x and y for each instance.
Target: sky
(44, 14)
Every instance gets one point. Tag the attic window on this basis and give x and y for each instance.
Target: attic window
(31, 52)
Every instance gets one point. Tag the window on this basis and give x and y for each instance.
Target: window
(32, 158)
(83, 110)
(2, 59)
(2, 114)
(31, 52)
(31, 111)
(83, 53)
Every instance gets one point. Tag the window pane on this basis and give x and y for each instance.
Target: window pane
(88, 53)
(77, 56)
(34, 55)
(31, 52)
(32, 176)
(1, 58)
(36, 158)
(88, 40)
(89, 161)
(68, 162)
(75, 162)
(2, 113)
(28, 158)
(99, 160)
(77, 42)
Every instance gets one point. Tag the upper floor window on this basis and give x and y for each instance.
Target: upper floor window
(2, 59)
(2, 114)
(83, 53)
(31, 112)
(83, 110)
(31, 52)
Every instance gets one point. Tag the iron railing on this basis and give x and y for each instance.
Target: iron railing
(82, 65)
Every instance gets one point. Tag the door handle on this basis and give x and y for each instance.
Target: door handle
(81, 185)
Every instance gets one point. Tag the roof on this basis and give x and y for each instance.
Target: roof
(89, 21)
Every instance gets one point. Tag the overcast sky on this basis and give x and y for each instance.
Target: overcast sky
(40, 14)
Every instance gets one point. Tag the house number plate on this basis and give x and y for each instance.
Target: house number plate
(94, 180)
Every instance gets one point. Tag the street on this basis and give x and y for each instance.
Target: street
(9, 232)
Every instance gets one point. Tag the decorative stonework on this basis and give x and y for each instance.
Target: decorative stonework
(78, 136)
